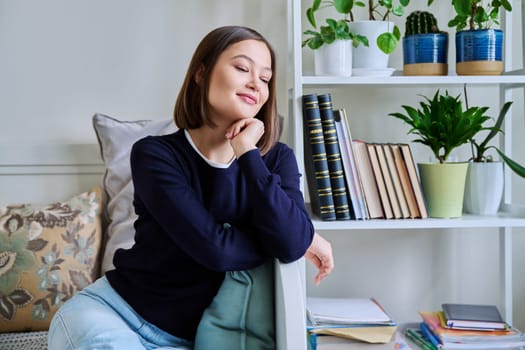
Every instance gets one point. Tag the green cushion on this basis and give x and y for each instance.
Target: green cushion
(241, 316)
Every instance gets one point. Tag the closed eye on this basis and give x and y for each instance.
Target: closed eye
(245, 69)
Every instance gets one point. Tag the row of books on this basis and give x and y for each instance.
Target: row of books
(353, 179)
(465, 326)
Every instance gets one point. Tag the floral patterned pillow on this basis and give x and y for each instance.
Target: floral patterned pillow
(47, 254)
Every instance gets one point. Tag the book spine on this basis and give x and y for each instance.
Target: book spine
(414, 179)
(416, 336)
(352, 203)
(316, 163)
(311, 340)
(333, 155)
(405, 181)
(366, 175)
(378, 175)
(389, 185)
(430, 336)
(396, 181)
(354, 181)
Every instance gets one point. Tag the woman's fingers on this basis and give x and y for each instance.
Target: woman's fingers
(320, 254)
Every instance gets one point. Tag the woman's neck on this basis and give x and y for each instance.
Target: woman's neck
(212, 143)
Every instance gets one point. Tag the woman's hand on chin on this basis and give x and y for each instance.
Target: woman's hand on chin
(244, 135)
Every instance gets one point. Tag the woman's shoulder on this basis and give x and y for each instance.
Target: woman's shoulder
(172, 139)
(280, 149)
(172, 143)
(280, 152)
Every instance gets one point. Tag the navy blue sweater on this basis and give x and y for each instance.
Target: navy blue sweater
(196, 221)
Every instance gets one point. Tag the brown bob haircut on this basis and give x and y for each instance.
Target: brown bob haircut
(192, 107)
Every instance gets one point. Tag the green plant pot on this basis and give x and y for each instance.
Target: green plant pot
(443, 187)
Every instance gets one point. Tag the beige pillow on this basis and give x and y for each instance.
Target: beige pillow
(47, 254)
(115, 138)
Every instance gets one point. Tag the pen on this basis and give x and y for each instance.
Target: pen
(430, 335)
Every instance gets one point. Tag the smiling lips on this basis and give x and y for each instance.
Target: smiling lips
(250, 99)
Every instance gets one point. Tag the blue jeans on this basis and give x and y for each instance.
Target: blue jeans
(98, 318)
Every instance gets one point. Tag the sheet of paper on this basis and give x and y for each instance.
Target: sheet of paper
(375, 334)
(350, 310)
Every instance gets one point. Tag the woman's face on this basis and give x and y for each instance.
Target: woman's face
(239, 82)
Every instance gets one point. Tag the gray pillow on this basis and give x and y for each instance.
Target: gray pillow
(115, 138)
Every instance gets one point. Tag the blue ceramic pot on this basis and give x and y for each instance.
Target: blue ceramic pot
(425, 54)
(425, 48)
(482, 47)
(479, 45)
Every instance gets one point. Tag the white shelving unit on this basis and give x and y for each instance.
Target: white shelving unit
(511, 216)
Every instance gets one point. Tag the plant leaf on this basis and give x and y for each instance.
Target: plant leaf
(310, 16)
(398, 10)
(506, 5)
(513, 165)
(343, 6)
(496, 128)
(387, 42)
(462, 7)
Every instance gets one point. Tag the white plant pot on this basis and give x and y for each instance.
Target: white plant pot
(483, 188)
(334, 59)
(370, 57)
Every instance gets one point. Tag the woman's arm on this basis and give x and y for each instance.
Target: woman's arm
(164, 190)
(278, 214)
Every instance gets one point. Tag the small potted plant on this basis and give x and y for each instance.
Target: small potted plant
(479, 47)
(484, 183)
(442, 124)
(332, 44)
(425, 47)
(377, 29)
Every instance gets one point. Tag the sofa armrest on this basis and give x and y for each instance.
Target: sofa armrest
(290, 314)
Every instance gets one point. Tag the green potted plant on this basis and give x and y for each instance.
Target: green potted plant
(484, 183)
(479, 47)
(332, 43)
(479, 149)
(377, 29)
(442, 124)
(425, 47)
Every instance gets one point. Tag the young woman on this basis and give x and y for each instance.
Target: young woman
(220, 194)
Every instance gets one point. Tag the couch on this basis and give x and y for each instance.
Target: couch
(51, 250)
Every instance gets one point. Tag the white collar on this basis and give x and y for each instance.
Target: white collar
(210, 162)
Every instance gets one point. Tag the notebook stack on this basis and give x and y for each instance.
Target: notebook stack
(350, 323)
(465, 326)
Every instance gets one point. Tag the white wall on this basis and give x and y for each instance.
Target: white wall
(63, 60)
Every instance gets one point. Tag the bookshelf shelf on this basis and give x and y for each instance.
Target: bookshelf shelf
(466, 221)
(509, 78)
(509, 217)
